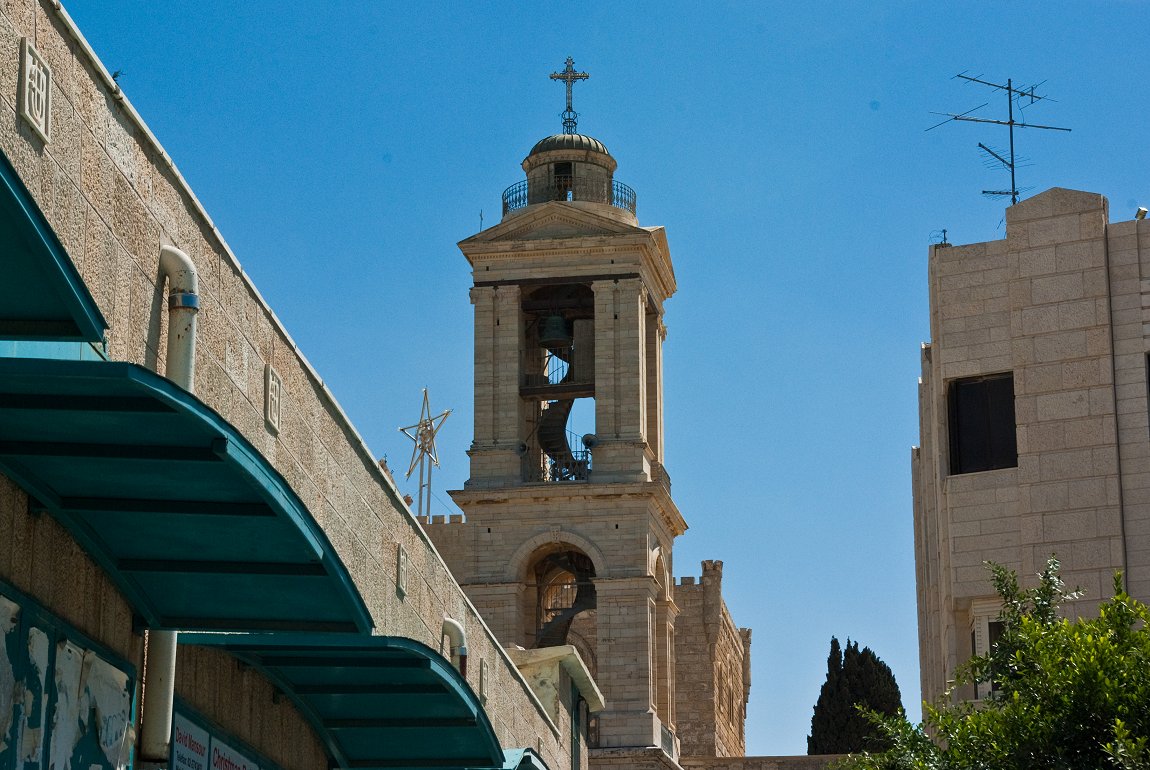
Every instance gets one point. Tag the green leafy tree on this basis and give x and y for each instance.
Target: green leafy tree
(1069, 694)
(857, 682)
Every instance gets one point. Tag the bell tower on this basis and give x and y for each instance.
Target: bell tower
(569, 522)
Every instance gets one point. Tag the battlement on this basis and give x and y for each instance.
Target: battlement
(713, 671)
(712, 574)
(454, 518)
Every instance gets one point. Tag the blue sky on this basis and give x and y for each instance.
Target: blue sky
(344, 148)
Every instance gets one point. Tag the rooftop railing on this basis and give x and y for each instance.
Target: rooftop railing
(568, 188)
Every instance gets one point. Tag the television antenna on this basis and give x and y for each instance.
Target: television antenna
(1013, 94)
(423, 454)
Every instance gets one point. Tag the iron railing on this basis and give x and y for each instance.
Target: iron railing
(561, 366)
(539, 466)
(568, 188)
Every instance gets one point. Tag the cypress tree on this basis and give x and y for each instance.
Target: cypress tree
(854, 677)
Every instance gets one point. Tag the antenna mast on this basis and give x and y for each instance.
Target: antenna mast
(1012, 93)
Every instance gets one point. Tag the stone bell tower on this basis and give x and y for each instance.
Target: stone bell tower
(569, 521)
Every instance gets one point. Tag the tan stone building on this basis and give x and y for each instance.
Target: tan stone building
(1033, 415)
(201, 563)
(568, 530)
(171, 467)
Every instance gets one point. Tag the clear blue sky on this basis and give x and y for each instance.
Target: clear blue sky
(344, 148)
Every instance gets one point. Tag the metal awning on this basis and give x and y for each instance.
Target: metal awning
(523, 759)
(41, 294)
(377, 702)
(195, 527)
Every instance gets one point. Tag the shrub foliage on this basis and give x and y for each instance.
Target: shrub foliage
(1070, 694)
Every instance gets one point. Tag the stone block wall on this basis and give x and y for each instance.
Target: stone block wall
(712, 679)
(1058, 304)
(114, 197)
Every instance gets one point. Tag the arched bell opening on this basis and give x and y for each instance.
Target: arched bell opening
(563, 601)
(558, 383)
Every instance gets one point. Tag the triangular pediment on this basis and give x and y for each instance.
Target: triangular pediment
(553, 220)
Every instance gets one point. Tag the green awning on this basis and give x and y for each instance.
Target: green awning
(378, 702)
(41, 294)
(192, 523)
(523, 759)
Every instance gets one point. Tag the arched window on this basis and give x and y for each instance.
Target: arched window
(564, 588)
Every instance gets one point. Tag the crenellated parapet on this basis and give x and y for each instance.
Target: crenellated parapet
(713, 666)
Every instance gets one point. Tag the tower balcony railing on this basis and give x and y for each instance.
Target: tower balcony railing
(570, 464)
(568, 188)
(561, 366)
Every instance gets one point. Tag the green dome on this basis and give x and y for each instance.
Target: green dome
(577, 142)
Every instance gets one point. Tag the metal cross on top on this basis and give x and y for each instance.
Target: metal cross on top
(570, 76)
(423, 453)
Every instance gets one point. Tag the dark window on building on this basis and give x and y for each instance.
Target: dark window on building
(982, 432)
(1148, 377)
(994, 632)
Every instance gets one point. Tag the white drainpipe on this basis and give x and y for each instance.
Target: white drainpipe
(453, 630)
(160, 674)
(183, 305)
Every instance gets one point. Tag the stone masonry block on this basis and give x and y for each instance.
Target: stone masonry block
(1040, 378)
(1036, 320)
(1074, 315)
(1072, 525)
(1057, 288)
(1050, 496)
(1063, 405)
(1060, 346)
(1074, 463)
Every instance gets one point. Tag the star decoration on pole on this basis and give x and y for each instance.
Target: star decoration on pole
(423, 454)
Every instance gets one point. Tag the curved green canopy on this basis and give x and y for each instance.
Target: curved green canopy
(194, 526)
(41, 294)
(377, 702)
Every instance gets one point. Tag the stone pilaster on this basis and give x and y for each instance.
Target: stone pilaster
(656, 333)
(494, 460)
(626, 621)
(621, 381)
(665, 613)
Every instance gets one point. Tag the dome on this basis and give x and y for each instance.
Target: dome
(576, 142)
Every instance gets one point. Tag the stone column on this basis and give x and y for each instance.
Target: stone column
(620, 381)
(665, 614)
(483, 299)
(656, 333)
(494, 460)
(626, 665)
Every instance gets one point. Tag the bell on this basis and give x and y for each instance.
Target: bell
(553, 333)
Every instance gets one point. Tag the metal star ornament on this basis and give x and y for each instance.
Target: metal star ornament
(423, 435)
